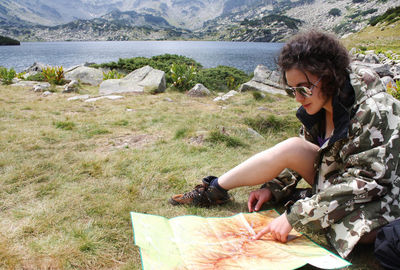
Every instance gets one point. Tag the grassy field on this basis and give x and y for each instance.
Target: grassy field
(70, 171)
(382, 36)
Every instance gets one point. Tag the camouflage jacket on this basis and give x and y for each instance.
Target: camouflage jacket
(357, 183)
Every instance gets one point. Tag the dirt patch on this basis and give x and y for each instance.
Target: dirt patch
(131, 141)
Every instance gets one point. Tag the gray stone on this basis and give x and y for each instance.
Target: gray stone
(353, 51)
(395, 69)
(266, 76)
(226, 96)
(47, 93)
(264, 80)
(35, 68)
(112, 97)
(41, 87)
(382, 69)
(85, 75)
(257, 86)
(396, 78)
(254, 133)
(80, 97)
(371, 58)
(145, 79)
(199, 90)
(360, 57)
(71, 87)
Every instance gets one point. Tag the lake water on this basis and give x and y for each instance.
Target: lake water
(243, 55)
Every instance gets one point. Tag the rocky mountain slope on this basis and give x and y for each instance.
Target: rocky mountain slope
(238, 20)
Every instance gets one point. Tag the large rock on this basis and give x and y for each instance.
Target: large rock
(145, 79)
(85, 75)
(382, 69)
(199, 90)
(35, 68)
(264, 80)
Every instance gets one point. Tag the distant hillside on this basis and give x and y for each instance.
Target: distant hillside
(115, 25)
(237, 20)
(8, 41)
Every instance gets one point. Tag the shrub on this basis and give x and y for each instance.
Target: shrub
(112, 74)
(161, 62)
(230, 141)
(390, 16)
(182, 76)
(273, 123)
(54, 75)
(39, 77)
(65, 125)
(222, 78)
(334, 12)
(7, 75)
(394, 90)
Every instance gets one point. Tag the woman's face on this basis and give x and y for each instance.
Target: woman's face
(317, 100)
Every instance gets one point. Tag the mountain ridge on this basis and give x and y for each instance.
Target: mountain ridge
(237, 20)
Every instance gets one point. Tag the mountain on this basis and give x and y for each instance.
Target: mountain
(238, 20)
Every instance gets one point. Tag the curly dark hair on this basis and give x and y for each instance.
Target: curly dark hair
(319, 53)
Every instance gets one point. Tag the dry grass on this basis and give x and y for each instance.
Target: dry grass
(70, 171)
(381, 36)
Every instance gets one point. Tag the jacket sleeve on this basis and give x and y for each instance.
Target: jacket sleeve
(282, 186)
(369, 159)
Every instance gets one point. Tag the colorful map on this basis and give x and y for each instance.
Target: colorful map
(192, 242)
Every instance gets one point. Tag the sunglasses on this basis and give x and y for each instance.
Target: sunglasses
(302, 90)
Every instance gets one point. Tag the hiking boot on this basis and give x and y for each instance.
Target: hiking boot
(202, 195)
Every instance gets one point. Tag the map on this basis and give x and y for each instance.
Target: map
(193, 242)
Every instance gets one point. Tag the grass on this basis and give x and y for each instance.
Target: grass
(70, 171)
(383, 36)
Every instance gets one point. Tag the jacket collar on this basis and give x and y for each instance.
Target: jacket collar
(342, 105)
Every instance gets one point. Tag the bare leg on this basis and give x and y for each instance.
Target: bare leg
(294, 153)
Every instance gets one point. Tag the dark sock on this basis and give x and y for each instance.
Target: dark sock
(214, 183)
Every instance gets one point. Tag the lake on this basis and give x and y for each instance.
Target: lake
(243, 55)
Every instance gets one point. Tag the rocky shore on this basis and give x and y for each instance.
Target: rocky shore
(149, 80)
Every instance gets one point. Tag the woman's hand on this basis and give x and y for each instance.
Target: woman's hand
(279, 229)
(257, 198)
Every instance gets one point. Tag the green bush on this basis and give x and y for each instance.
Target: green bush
(7, 75)
(221, 78)
(390, 16)
(54, 75)
(161, 62)
(39, 77)
(334, 12)
(112, 74)
(273, 123)
(182, 76)
(230, 141)
(394, 90)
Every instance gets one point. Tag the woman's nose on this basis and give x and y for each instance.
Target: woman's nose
(299, 97)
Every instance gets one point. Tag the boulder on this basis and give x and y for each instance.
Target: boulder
(264, 80)
(41, 87)
(395, 69)
(199, 90)
(71, 87)
(35, 68)
(85, 75)
(111, 97)
(145, 79)
(257, 86)
(382, 69)
(81, 97)
(371, 58)
(226, 96)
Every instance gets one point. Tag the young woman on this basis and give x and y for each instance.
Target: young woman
(348, 150)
